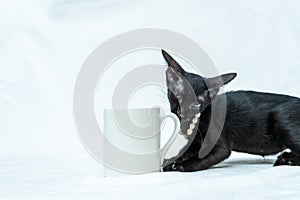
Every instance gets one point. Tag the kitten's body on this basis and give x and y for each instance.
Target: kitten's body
(256, 123)
(252, 121)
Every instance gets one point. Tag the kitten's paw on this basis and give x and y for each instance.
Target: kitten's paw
(181, 167)
(185, 167)
(170, 167)
(287, 158)
(175, 167)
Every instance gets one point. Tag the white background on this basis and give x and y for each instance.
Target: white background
(44, 43)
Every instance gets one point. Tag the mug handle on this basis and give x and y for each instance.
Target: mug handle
(176, 121)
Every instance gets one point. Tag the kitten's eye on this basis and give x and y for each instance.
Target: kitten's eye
(195, 105)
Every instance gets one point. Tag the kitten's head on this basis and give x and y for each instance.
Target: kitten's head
(189, 94)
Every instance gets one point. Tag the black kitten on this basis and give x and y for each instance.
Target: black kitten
(255, 123)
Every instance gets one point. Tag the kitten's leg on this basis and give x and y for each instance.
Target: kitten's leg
(217, 155)
(189, 155)
(291, 139)
(286, 131)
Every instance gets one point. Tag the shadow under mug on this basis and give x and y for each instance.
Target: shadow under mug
(136, 132)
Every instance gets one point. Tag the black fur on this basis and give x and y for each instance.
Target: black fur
(256, 123)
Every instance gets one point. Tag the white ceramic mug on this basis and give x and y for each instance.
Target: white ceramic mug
(136, 132)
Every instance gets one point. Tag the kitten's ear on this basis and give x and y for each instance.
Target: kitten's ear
(219, 81)
(214, 84)
(175, 82)
(172, 62)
